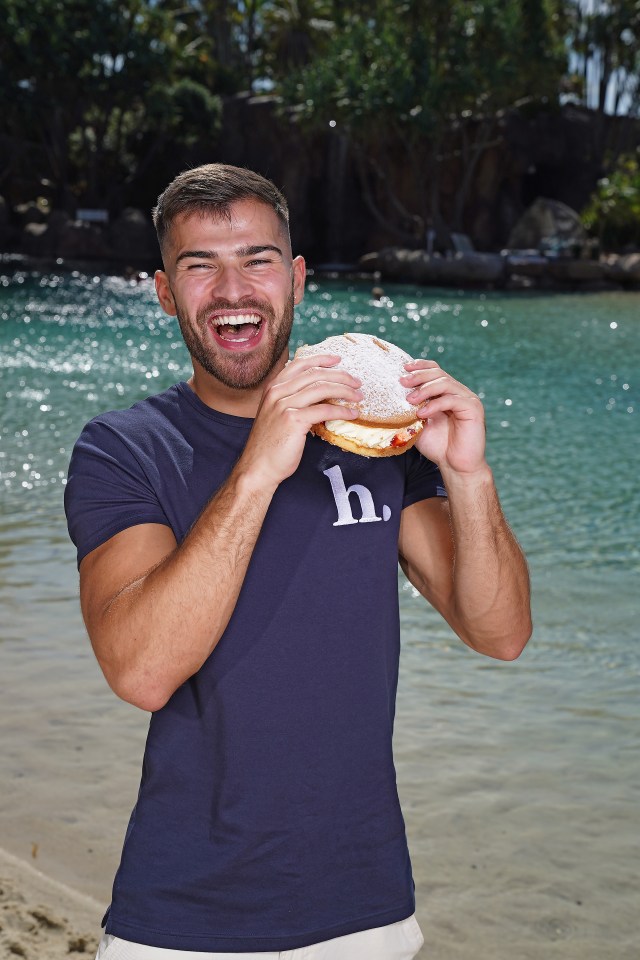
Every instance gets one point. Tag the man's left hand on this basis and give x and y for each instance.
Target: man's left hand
(453, 436)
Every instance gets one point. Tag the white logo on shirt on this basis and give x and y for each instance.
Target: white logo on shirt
(341, 494)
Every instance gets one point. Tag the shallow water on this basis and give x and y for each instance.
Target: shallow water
(520, 780)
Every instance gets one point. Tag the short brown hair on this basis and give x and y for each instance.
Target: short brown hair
(212, 189)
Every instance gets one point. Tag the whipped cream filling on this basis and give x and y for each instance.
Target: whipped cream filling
(375, 437)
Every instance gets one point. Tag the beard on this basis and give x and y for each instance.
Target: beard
(239, 371)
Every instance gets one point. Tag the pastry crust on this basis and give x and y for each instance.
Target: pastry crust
(379, 365)
(384, 407)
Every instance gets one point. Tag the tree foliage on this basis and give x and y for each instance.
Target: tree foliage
(413, 72)
(93, 90)
(613, 213)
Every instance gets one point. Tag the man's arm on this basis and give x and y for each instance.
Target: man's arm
(461, 554)
(155, 610)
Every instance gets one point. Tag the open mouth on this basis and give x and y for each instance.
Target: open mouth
(238, 329)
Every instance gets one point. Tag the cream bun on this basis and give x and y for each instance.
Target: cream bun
(387, 424)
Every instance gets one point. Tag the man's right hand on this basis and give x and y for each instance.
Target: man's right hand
(300, 396)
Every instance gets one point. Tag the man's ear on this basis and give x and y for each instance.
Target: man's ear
(163, 290)
(299, 274)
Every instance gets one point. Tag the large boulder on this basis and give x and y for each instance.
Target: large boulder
(547, 224)
(133, 237)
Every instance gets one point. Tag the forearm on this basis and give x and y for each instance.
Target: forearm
(158, 630)
(490, 600)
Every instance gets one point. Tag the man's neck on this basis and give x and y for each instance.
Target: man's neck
(234, 401)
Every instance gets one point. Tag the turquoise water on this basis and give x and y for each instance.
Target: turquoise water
(556, 732)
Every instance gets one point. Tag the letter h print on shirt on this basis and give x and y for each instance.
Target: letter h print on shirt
(341, 494)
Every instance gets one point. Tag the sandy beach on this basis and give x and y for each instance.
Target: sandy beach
(41, 917)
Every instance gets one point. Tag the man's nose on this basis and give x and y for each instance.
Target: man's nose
(233, 284)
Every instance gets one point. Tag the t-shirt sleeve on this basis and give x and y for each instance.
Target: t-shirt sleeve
(107, 489)
(423, 479)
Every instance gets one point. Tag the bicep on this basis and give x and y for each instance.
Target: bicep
(426, 551)
(123, 559)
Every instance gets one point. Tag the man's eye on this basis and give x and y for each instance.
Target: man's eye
(199, 266)
(257, 263)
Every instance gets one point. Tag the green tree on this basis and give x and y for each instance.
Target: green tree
(93, 93)
(421, 84)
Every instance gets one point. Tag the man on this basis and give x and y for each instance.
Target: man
(220, 595)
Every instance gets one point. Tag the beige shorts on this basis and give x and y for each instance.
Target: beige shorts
(397, 941)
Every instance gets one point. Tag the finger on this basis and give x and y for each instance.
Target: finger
(320, 391)
(466, 406)
(321, 412)
(327, 375)
(305, 363)
(434, 388)
(423, 375)
(412, 365)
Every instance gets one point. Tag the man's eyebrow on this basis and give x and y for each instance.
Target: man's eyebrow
(196, 255)
(258, 248)
(248, 251)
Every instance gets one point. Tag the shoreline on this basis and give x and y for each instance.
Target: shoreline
(44, 918)
(459, 273)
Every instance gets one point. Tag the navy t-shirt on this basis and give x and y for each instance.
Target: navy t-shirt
(268, 815)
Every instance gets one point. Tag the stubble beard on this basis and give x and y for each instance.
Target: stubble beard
(240, 371)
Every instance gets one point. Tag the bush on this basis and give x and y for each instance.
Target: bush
(613, 212)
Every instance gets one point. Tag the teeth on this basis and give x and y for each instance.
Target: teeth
(237, 320)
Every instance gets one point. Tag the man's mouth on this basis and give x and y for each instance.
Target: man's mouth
(237, 328)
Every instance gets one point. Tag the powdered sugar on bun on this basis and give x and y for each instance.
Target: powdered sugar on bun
(379, 365)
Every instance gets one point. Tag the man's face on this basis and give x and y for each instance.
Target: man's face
(232, 284)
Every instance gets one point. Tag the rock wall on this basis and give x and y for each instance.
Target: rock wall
(506, 270)
(555, 153)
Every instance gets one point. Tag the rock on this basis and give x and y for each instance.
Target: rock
(418, 266)
(78, 240)
(526, 263)
(622, 269)
(133, 237)
(396, 263)
(36, 240)
(575, 271)
(31, 212)
(65, 238)
(472, 268)
(547, 223)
